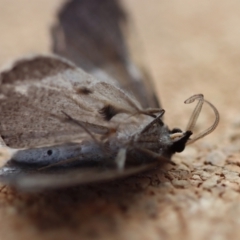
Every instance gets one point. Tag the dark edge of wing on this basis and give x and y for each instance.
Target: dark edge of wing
(92, 34)
(32, 181)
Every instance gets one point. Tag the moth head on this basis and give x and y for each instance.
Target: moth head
(179, 139)
(182, 138)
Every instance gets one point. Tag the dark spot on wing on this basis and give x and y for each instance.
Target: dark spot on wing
(34, 69)
(84, 90)
(108, 112)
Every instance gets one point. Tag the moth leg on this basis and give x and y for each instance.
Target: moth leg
(153, 122)
(80, 125)
(151, 111)
(120, 159)
(2, 143)
(104, 131)
(153, 157)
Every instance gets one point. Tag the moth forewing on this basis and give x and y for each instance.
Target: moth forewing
(38, 90)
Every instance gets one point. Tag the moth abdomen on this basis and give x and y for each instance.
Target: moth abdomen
(67, 154)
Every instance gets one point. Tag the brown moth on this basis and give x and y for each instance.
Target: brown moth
(61, 126)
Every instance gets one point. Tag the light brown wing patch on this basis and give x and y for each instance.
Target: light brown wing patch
(32, 107)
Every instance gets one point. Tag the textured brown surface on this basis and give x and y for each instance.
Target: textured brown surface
(190, 47)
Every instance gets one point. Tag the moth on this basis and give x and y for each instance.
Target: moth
(62, 126)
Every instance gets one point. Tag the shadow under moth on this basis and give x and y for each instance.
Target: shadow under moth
(61, 126)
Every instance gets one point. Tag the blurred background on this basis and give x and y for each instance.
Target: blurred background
(188, 47)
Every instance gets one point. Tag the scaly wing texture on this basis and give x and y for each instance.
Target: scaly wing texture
(98, 37)
(36, 93)
(36, 96)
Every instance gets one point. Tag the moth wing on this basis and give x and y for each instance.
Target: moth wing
(38, 93)
(34, 180)
(99, 37)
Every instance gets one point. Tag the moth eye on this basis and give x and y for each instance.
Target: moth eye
(49, 152)
(84, 90)
(176, 130)
(108, 112)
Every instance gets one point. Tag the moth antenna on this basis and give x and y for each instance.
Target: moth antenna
(195, 115)
(196, 111)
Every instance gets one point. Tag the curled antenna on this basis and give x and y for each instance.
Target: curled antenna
(195, 115)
